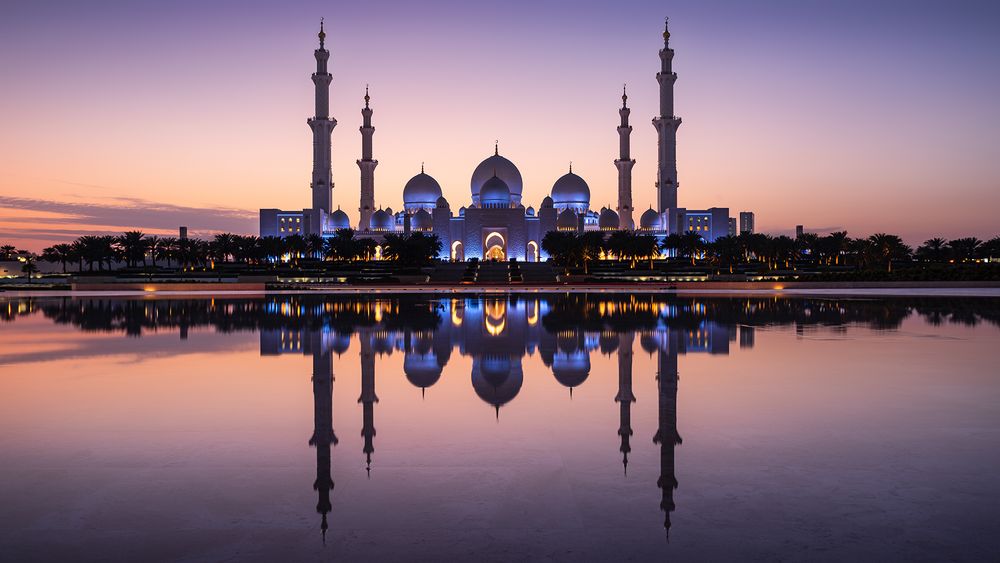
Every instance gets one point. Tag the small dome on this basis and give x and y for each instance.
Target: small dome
(571, 191)
(495, 193)
(530, 211)
(461, 211)
(566, 220)
(421, 191)
(608, 219)
(382, 221)
(496, 380)
(442, 202)
(571, 369)
(421, 221)
(422, 370)
(499, 166)
(339, 220)
(547, 202)
(650, 220)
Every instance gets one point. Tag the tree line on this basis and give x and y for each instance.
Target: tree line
(135, 248)
(881, 250)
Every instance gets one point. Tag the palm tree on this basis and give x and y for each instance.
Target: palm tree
(990, 249)
(690, 245)
(964, 249)
(296, 246)
(807, 245)
(783, 250)
(166, 249)
(8, 251)
(61, 253)
(132, 247)
(671, 242)
(888, 248)
(29, 267)
(934, 250)
(342, 245)
(833, 245)
(224, 246)
(152, 248)
(725, 251)
(315, 245)
(564, 248)
(592, 244)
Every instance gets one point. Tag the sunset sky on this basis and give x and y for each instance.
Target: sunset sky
(852, 115)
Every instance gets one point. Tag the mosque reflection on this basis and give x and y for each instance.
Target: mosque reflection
(497, 333)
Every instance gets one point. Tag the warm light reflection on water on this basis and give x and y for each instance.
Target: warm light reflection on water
(506, 427)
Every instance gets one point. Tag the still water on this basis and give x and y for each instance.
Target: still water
(502, 428)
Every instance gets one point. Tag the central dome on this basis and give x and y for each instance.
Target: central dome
(421, 192)
(495, 193)
(504, 169)
(571, 192)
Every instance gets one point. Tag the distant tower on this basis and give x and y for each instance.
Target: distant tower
(323, 436)
(625, 398)
(666, 128)
(624, 165)
(367, 166)
(666, 433)
(322, 127)
(368, 397)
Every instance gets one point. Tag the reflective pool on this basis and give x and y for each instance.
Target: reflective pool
(555, 427)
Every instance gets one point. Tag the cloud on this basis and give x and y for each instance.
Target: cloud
(117, 214)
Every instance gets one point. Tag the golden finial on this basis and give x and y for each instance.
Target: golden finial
(666, 30)
(496, 148)
(624, 95)
(366, 95)
(322, 34)
(571, 167)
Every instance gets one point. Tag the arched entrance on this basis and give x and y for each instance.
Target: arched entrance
(532, 253)
(494, 247)
(458, 251)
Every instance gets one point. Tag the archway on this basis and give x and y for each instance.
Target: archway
(378, 252)
(457, 251)
(532, 254)
(495, 247)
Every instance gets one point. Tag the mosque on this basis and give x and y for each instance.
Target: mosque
(496, 224)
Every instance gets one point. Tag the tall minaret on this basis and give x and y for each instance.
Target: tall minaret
(322, 126)
(666, 127)
(625, 397)
(367, 166)
(666, 433)
(368, 397)
(323, 436)
(624, 165)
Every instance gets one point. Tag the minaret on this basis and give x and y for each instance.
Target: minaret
(322, 127)
(367, 166)
(666, 433)
(624, 165)
(625, 398)
(323, 436)
(368, 397)
(666, 127)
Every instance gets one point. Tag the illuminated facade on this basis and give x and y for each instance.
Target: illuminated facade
(495, 225)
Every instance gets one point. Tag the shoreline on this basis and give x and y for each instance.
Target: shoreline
(880, 289)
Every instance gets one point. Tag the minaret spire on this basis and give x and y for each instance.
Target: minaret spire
(368, 397)
(367, 166)
(666, 125)
(624, 164)
(322, 127)
(625, 397)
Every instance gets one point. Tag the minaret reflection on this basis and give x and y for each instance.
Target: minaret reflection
(666, 434)
(323, 436)
(625, 398)
(368, 397)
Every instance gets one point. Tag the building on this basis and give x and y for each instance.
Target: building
(495, 224)
(746, 222)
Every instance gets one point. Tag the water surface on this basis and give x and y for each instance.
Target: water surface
(559, 427)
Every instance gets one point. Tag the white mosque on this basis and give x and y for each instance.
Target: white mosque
(496, 225)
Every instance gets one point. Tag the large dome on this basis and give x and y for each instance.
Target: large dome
(382, 221)
(421, 221)
(422, 191)
(608, 219)
(495, 193)
(566, 220)
(650, 220)
(339, 220)
(571, 191)
(499, 166)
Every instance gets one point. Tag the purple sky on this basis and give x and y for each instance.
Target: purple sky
(836, 115)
